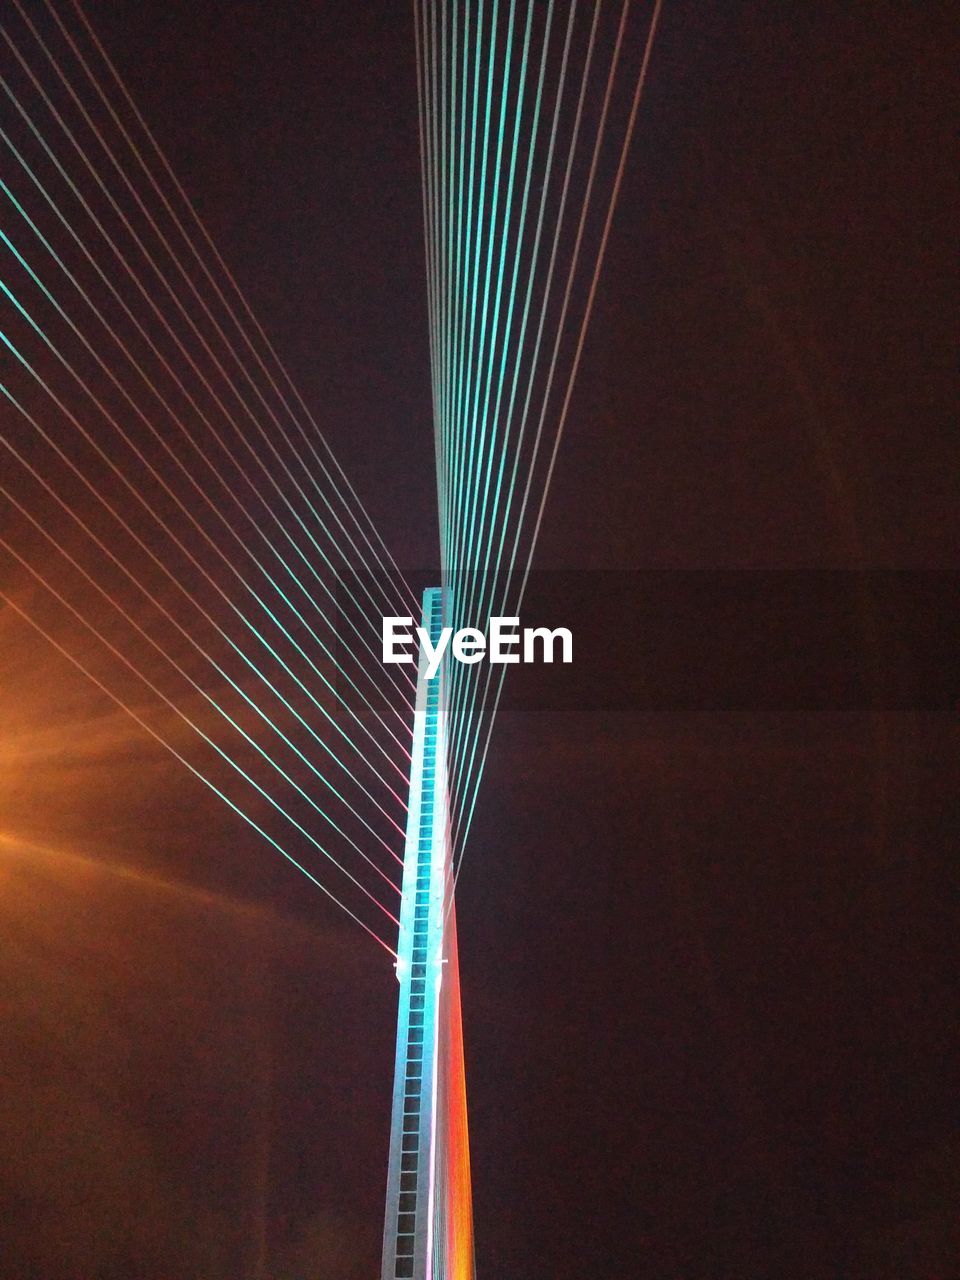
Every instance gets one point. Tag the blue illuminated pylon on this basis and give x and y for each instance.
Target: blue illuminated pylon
(428, 1228)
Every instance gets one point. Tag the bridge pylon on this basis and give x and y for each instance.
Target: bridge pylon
(428, 1227)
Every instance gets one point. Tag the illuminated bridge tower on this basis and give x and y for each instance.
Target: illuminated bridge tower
(428, 1230)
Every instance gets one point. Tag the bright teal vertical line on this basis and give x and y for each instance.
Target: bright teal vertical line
(452, 298)
(473, 291)
(489, 426)
(459, 311)
(478, 424)
(443, 125)
(489, 566)
(172, 453)
(543, 311)
(484, 567)
(449, 204)
(486, 376)
(425, 103)
(473, 353)
(444, 186)
(469, 371)
(455, 211)
(442, 75)
(596, 270)
(506, 350)
(435, 58)
(465, 218)
(422, 111)
(471, 768)
(476, 369)
(441, 202)
(476, 207)
(429, 110)
(439, 51)
(465, 232)
(570, 275)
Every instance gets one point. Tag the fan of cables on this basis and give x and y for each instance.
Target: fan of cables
(172, 519)
(526, 116)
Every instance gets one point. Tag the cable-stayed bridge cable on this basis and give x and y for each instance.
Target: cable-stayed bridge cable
(506, 390)
(192, 599)
(152, 222)
(154, 689)
(196, 487)
(228, 275)
(171, 292)
(159, 649)
(158, 737)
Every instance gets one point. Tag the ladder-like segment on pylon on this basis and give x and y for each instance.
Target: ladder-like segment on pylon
(428, 1229)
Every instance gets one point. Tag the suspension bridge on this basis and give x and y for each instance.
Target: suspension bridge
(178, 528)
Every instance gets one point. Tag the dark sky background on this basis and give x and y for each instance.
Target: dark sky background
(705, 934)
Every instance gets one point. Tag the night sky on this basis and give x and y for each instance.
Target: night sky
(705, 919)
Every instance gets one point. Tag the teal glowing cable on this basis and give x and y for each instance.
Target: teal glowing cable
(441, 66)
(432, 265)
(460, 772)
(435, 71)
(548, 170)
(431, 162)
(475, 363)
(485, 373)
(516, 351)
(425, 182)
(471, 292)
(467, 676)
(631, 123)
(458, 318)
(458, 259)
(535, 253)
(462, 679)
(448, 182)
